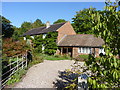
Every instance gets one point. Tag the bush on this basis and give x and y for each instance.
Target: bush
(82, 57)
(16, 77)
(37, 58)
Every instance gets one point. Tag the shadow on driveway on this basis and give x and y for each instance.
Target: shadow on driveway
(65, 79)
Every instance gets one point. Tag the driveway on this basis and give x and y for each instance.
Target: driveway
(44, 74)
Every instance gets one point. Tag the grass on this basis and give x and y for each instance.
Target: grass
(20, 73)
(55, 57)
(17, 76)
(84, 56)
(37, 58)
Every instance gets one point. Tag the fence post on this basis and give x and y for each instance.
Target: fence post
(22, 61)
(17, 63)
(26, 58)
(10, 65)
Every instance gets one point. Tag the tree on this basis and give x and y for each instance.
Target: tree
(82, 22)
(7, 28)
(106, 69)
(12, 48)
(25, 27)
(59, 21)
(37, 23)
(17, 33)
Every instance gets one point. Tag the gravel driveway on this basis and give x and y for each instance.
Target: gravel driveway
(44, 74)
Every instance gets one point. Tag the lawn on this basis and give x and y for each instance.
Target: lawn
(55, 57)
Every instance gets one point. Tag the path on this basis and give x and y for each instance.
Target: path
(44, 74)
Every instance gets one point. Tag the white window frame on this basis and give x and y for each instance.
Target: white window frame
(44, 35)
(101, 50)
(32, 37)
(43, 47)
(24, 38)
(85, 50)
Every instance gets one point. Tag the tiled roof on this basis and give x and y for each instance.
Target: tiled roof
(85, 40)
(40, 30)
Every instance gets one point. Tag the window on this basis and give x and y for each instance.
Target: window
(85, 50)
(43, 47)
(101, 50)
(44, 35)
(32, 37)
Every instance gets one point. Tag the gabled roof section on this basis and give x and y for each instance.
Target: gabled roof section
(84, 40)
(41, 30)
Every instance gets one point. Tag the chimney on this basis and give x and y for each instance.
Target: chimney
(47, 24)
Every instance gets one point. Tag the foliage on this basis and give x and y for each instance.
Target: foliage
(69, 78)
(17, 33)
(82, 57)
(37, 58)
(16, 77)
(12, 48)
(72, 84)
(55, 57)
(7, 28)
(37, 23)
(20, 73)
(25, 27)
(38, 42)
(50, 43)
(59, 21)
(82, 22)
(106, 70)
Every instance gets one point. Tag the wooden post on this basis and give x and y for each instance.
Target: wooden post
(26, 59)
(17, 63)
(61, 50)
(22, 61)
(67, 51)
(10, 66)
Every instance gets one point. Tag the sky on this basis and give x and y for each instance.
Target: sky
(18, 12)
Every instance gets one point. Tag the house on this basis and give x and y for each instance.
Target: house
(68, 41)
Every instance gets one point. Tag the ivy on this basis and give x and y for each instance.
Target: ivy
(49, 43)
(38, 41)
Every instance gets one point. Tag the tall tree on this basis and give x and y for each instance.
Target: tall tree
(82, 22)
(7, 28)
(25, 27)
(37, 23)
(59, 21)
(106, 70)
(17, 33)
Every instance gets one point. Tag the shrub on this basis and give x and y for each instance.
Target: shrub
(82, 57)
(16, 77)
(36, 58)
(66, 57)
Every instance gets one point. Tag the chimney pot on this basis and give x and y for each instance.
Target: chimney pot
(47, 24)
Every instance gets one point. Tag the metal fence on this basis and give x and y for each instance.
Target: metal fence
(15, 64)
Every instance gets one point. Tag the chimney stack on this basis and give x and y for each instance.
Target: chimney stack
(47, 24)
